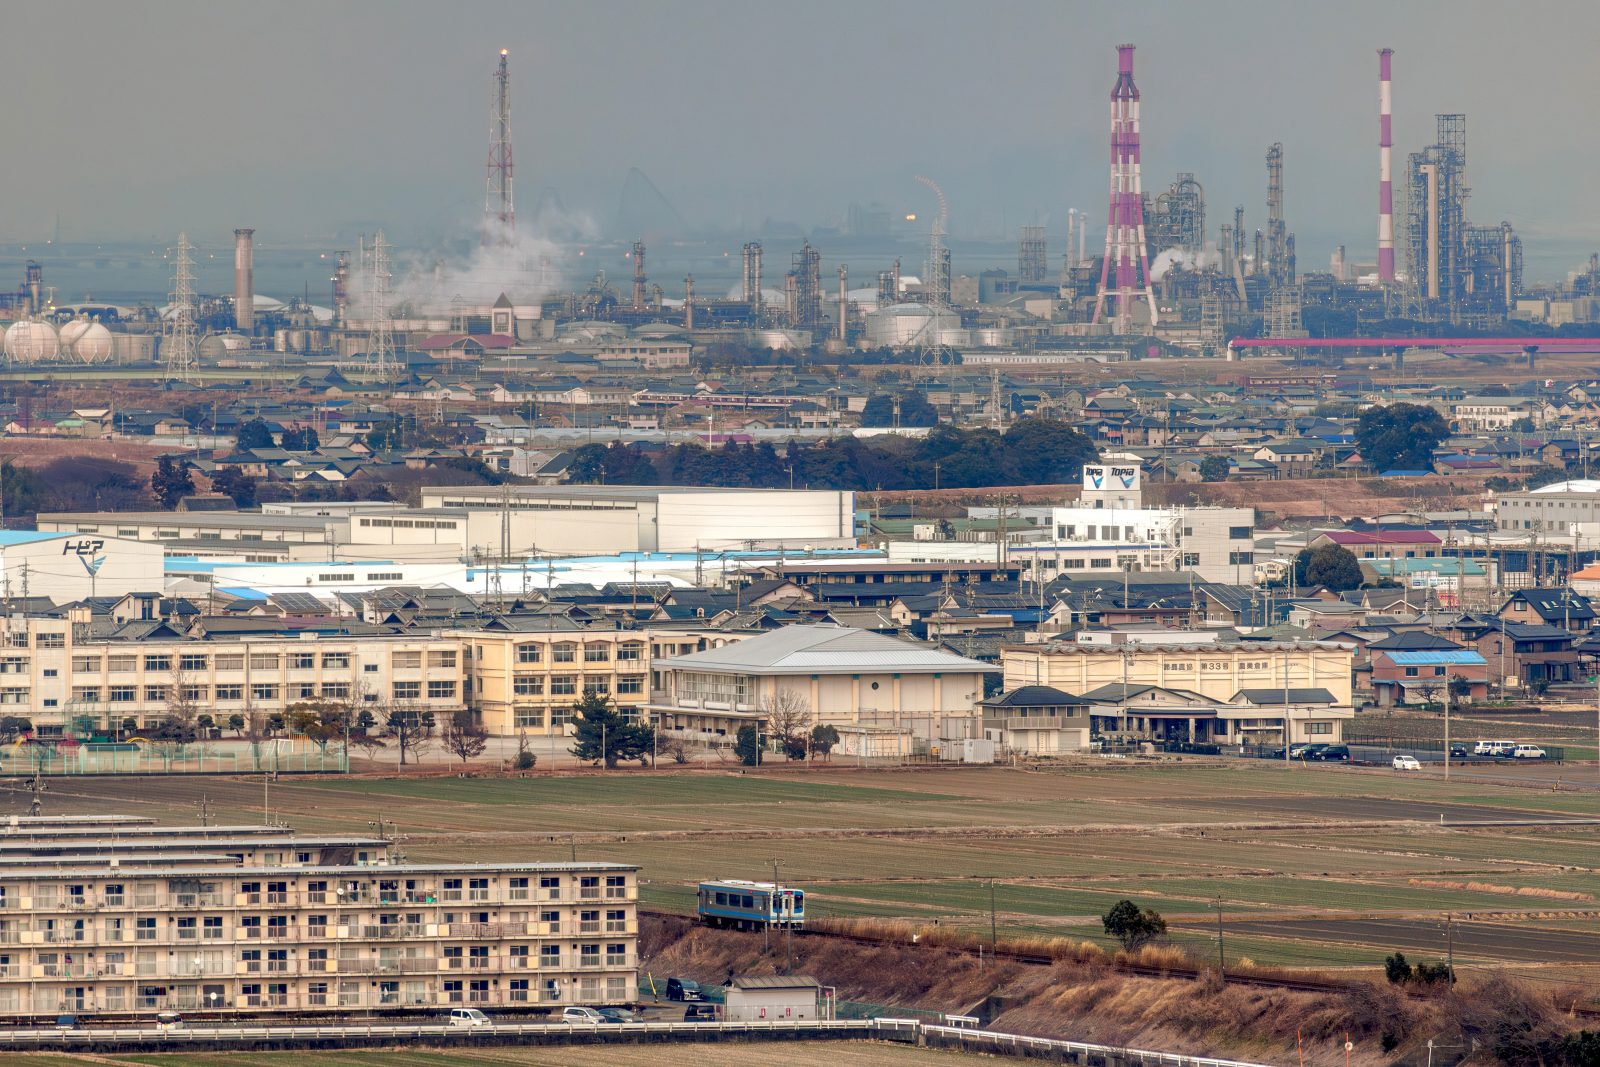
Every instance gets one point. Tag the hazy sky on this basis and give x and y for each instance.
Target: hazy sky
(137, 119)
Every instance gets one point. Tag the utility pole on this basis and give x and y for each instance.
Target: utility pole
(994, 935)
(1447, 728)
(1450, 947)
(1222, 956)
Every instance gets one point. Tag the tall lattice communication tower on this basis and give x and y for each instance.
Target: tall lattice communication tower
(1125, 240)
(937, 286)
(178, 345)
(381, 362)
(499, 209)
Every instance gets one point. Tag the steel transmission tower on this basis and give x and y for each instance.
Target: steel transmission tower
(938, 284)
(1125, 241)
(178, 345)
(380, 329)
(499, 211)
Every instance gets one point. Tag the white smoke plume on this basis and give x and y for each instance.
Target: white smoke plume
(527, 265)
(1186, 260)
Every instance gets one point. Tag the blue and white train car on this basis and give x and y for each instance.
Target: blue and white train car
(750, 905)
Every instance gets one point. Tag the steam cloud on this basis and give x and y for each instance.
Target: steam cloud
(1178, 257)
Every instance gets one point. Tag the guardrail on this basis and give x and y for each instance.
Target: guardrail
(1076, 1052)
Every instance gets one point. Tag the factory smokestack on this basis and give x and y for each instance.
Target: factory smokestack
(688, 302)
(244, 280)
(844, 302)
(1125, 239)
(1385, 174)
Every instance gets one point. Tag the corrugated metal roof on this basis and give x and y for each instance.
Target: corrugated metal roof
(1430, 658)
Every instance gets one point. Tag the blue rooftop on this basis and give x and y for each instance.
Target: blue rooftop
(1436, 658)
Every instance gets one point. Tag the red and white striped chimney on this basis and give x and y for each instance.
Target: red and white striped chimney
(1385, 173)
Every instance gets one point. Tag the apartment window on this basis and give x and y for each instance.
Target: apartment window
(529, 653)
(527, 685)
(303, 691)
(616, 886)
(302, 661)
(155, 694)
(442, 657)
(563, 685)
(52, 639)
(230, 692)
(1101, 563)
(86, 664)
(407, 661)
(86, 694)
(144, 929)
(158, 663)
(596, 654)
(191, 662)
(211, 927)
(589, 887)
(1238, 533)
(263, 661)
(1190, 559)
(1323, 728)
(549, 956)
(1411, 672)
(529, 718)
(588, 955)
(441, 690)
(630, 684)
(230, 662)
(188, 928)
(566, 652)
(336, 661)
(18, 664)
(263, 692)
(617, 955)
(630, 652)
(195, 694)
(616, 921)
(335, 691)
(600, 686)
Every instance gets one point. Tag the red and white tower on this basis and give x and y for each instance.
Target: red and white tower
(1125, 222)
(1385, 176)
(499, 213)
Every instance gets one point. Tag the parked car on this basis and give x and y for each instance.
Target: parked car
(1500, 749)
(1484, 748)
(67, 1022)
(700, 1013)
(469, 1017)
(683, 989)
(1527, 752)
(587, 1016)
(1301, 750)
(1406, 763)
(1458, 751)
(169, 1020)
(1331, 754)
(617, 1015)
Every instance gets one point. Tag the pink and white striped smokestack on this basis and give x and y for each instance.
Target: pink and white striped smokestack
(1385, 173)
(1126, 258)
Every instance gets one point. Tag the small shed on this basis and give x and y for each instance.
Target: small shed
(773, 996)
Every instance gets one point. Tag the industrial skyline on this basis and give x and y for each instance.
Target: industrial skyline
(369, 128)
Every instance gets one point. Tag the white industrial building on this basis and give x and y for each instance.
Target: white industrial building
(71, 566)
(595, 519)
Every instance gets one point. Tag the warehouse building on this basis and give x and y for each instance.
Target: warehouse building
(69, 566)
(242, 921)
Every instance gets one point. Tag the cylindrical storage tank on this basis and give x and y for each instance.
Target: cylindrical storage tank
(133, 347)
(955, 337)
(991, 337)
(70, 332)
(300, 341)
(280, 340)
(94, 345)
(28, 341)
(902, 325)
(779, 339)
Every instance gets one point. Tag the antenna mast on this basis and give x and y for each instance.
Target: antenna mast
(178, 346)
(499, 213)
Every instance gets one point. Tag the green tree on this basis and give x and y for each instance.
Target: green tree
(238, 485)
(823, 738)
(171, 482)
(1215, 469)
(747, 745)
(1400, 436)
(1133, 925)
(13, 727)
(914, 410)
(255, 434)
(587, 465)
(1047, 452)
(302, 440)
(602, 735)
(1331, 565)
(1396, 969)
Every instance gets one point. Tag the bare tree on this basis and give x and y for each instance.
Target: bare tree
(411, 729)
(788, 716)
(675, 749)
(464, 736)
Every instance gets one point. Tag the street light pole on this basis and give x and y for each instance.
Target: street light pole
(1447, 681)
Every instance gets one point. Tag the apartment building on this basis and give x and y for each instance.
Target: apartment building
(57, 672)
(202, 932)
(527, 682)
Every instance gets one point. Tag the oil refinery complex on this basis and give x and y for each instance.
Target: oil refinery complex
(1165, 281)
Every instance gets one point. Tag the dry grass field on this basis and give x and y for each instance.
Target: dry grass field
(1268, 847)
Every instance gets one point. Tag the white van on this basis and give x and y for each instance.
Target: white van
(471, 1017)
(1527, 752)
(1484, 748)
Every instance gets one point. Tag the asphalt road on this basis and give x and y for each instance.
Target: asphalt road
(1379, 808)
(1504, 941)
